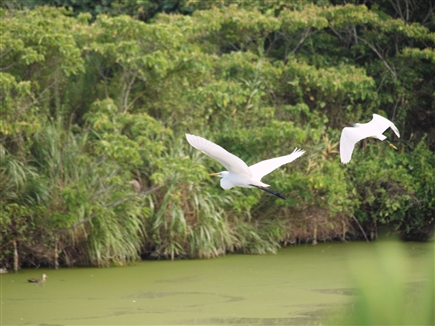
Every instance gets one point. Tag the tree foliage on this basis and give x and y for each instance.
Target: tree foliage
(94, 166)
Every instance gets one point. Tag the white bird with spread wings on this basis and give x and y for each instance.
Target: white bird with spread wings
(351, 135)
(239, 174)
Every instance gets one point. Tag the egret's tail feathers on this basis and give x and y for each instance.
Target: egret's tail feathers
(276, 193)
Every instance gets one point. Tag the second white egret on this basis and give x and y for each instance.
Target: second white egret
(239, 174)
(351, 135)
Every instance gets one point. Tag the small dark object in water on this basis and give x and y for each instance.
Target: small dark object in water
(37, 280)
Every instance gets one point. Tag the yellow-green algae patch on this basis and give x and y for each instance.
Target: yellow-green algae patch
(295, 286)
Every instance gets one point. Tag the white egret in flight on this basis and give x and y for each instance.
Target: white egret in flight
(351, 135)
(239, 174)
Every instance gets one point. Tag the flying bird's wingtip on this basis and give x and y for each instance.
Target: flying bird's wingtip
(299, 151)
(396, 131)
(190, 137)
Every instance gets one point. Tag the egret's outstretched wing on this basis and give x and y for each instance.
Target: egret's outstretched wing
(231, 162)
(383, 124)
(263, 168)
(349, 137)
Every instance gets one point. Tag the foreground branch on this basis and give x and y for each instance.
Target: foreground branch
(362, 230)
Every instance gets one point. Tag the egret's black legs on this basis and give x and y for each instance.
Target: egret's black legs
(276, 193)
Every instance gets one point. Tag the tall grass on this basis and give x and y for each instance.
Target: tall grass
(189, 222)
(76, 203)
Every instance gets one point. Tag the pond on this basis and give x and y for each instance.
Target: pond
(298, 285)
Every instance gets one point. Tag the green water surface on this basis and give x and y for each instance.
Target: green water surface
(295, 286)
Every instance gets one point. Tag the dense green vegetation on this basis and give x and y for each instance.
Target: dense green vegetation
(90, 104)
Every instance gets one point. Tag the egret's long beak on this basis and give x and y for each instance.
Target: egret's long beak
(213, 174)
(392, 146)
